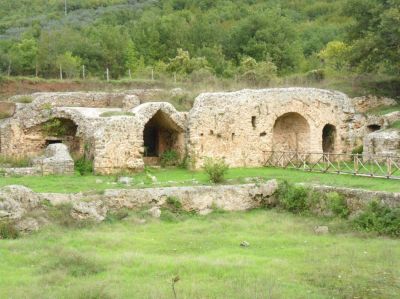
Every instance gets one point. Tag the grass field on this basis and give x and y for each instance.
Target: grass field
(176, 177)
(132, 259)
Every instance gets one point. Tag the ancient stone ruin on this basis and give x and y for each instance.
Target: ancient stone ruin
(123, 131)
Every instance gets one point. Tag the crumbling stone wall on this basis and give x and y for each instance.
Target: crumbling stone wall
(382, 143)
(242, 126)
(119, 143)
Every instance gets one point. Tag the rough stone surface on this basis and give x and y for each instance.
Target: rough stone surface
(357, 198)
(16, 200)
(365, 103)
(242, 126)
(199, 198)
(27, 225)
(56, 160)
(155, 212)
(119, 144)
(382, 143)
(94, 210)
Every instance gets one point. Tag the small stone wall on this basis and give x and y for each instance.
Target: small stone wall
(359, 197)
(382, 143)
(18, 202)
(56, 160)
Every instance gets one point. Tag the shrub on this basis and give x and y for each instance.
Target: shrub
(61, 215)
(115, 216)
(316, 75)
(54, 127)
(216, 169)
(358, 150)
(8, 231)
(84, 166)
(292, 198)
(337, 204)
(379, 218)
(169, 158)
(174, 204)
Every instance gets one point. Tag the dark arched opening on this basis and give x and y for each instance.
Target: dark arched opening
(373, 128)
(328, 138)
(160, 134)
(291, 132)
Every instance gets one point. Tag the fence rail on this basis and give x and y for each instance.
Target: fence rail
(371, 166)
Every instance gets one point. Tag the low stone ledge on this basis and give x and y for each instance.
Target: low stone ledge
(20, 171)
(196, 198)
(391, 199)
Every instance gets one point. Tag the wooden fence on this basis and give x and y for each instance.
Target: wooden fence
(371, 166)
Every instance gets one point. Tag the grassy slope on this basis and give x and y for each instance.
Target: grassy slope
(128, 260)
(173, 177)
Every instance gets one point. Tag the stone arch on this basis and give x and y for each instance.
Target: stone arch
(54, 130)
(160, 134)
(328, 138)
(291, 132)
(162, 128)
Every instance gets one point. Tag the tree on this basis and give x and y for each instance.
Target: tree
(69, 64)
(131, 59)
(183, 64)
(257, 73)
(375, 35)
(24, 57)
(335, 54)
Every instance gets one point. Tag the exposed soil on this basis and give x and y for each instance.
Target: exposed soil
(9, 88)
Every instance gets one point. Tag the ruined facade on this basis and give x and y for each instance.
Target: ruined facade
(122, 131)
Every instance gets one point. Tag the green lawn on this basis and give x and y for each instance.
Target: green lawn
(129, 259)
(174, 177)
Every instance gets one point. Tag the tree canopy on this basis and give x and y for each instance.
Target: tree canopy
(259, 38)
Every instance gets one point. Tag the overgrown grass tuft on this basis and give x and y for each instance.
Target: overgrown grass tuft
(116, 113)
(8, 230)
(75, 264)
(8, 161)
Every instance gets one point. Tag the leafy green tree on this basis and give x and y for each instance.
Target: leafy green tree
(69, 64)
(183, 64)
(131, 59)
(375, 35)
(335, 54)
(256, 73)
(266, 34)
(24, 57)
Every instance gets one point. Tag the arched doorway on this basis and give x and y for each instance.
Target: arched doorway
(328, 138)
(160, 134)
(62, 130)
(291, 132)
